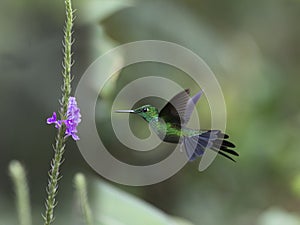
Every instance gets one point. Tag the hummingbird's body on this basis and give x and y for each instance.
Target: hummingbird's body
(170, 126)
(169, 132)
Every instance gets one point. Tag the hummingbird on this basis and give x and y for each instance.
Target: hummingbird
(170, 126)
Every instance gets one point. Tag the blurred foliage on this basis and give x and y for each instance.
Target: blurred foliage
(252, 47)
(130, 210)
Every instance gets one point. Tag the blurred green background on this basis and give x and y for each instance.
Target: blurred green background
(253, 47)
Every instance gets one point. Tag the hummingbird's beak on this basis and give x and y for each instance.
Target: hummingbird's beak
(125, 111)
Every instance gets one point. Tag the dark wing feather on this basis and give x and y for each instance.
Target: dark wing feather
(174, 111)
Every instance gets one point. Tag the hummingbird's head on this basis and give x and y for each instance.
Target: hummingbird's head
(147, 112)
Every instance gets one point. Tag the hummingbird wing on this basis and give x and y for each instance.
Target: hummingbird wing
(174, 111)
(190, 106)
(180, 108)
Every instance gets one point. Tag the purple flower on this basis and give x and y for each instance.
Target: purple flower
(74, 118)
(72, 121)
(54, 120)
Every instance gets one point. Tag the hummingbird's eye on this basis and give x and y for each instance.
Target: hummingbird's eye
(145, 109)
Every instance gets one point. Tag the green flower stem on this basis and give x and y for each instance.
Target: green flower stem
(67, 63)
(59, 146)
(81, 190)
(18, 176)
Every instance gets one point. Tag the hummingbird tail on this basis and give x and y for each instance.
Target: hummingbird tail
(212, 139)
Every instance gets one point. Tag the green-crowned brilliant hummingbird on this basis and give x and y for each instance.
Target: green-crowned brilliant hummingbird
(170, 126)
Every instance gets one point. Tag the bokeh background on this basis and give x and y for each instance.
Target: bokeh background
(253, 48)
